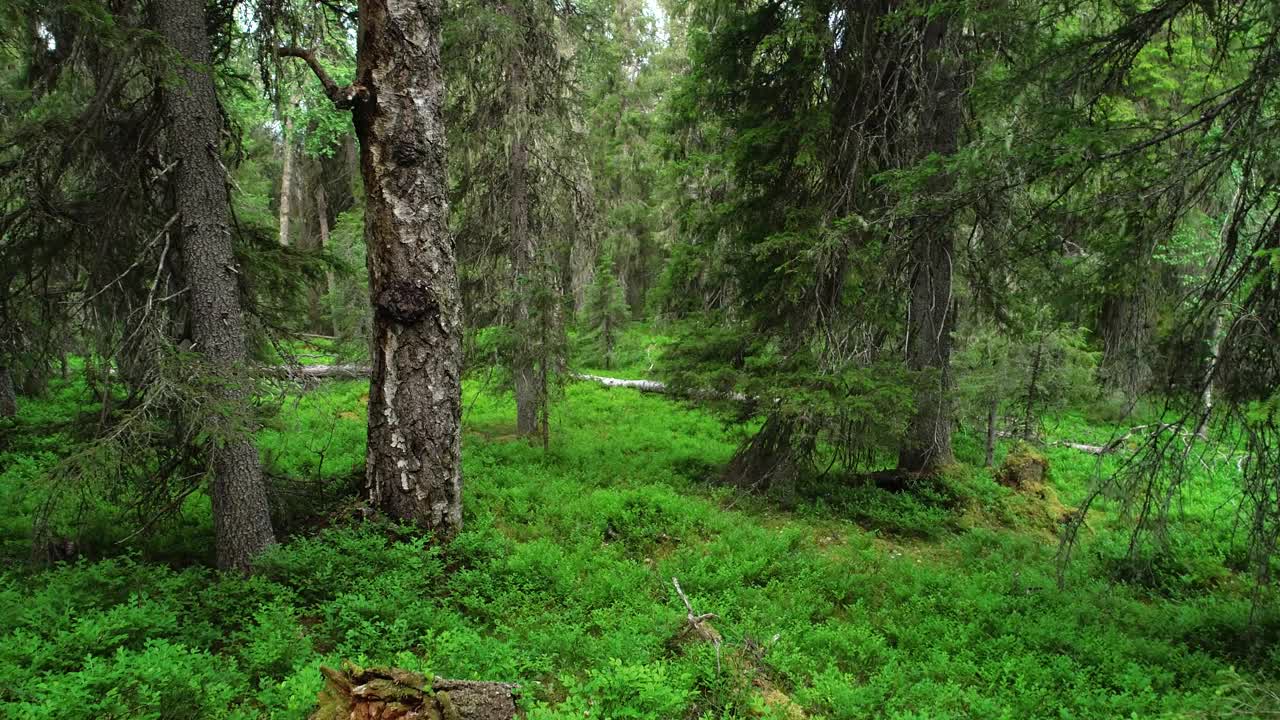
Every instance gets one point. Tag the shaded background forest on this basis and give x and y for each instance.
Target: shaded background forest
(880, 256)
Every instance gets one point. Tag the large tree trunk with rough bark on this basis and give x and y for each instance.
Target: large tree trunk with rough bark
(242, 523)
(1126, 318)
(927, 443)
(413, 465)
(1125, 323)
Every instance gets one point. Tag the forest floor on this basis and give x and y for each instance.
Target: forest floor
(857, 602)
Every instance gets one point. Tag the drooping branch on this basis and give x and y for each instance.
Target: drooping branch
(344, 97)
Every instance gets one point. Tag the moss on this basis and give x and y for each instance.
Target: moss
(1024, 468)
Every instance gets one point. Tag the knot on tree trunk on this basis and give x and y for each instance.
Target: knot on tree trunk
(405, 302)
(356, 693)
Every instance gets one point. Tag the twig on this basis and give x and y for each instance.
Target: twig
(163, 231)
(697, 623)
(164, 512)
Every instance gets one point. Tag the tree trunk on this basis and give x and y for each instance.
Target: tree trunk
(413, 463)
(927, 444)
(992, 409)
(1030, 425)
(36, 380)
(772, 460)
(8, 399)
(522, 250)
(322, 212)
(336, 172)
(242, 523)
(1215, 327)
(1125, 323)
(286, 181)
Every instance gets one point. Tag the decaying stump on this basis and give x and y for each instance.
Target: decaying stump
(1023, 469)
(357, 693)
(1026, 471)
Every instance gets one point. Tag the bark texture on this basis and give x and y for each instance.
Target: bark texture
(413, 465)
(242, 523)
(927, 444)
(1126, 325)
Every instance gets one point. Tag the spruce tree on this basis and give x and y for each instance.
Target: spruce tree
(606, 311)
(242, 521)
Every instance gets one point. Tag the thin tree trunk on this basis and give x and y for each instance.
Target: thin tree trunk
(242, 523)
(1206, 391)
(413, 465)
(322, 211)
(286, 181)
(927, 443)
(1215, 330)
(522, 250)
(8, 398)
(36, 380)
(1029, 424)
(336, 172)
(992, 409)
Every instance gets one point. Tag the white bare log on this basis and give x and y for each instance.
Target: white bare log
(652, 386)
(1118, 442)
(1091, 449)
(354, 372)
(318, 372)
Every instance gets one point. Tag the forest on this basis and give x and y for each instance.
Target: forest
(639, 359)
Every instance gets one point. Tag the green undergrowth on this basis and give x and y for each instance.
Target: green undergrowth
(637, 353)
(934, 601)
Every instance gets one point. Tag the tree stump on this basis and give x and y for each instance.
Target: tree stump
(1023, 469)
(356, 693)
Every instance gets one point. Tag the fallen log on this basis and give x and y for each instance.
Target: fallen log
(318, 372)
(356, 693)
(652, 386)
(355, 372)
(1091, 449)
(1118, 441)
